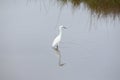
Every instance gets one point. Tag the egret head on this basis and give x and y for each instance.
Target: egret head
(62, 27)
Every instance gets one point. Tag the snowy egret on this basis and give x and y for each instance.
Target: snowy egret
(57, 40)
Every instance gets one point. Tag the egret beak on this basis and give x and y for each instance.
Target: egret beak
(65, 27)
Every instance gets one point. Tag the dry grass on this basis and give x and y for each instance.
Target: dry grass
(99, 7)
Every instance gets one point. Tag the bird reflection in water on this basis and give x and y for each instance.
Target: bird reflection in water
(58, 53)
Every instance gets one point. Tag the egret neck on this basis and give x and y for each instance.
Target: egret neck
(60, 31)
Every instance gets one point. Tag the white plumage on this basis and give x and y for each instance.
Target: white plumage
(57, 40)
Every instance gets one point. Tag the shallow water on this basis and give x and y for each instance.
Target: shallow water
(90, 47)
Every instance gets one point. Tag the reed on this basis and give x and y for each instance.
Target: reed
(98, 7)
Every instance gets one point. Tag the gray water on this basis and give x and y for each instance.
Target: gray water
(90, 47)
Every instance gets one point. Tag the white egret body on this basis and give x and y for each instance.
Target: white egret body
(58, 38)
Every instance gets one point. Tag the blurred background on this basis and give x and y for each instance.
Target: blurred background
(90, 47)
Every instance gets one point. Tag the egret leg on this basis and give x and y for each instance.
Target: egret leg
(56, 47)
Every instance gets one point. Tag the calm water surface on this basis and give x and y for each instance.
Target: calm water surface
(90, 47)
